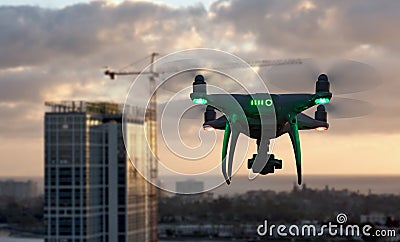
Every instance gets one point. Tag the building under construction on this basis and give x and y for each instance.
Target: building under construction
(92, 190)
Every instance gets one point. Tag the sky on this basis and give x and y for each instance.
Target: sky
(57, 52)
(64, 3)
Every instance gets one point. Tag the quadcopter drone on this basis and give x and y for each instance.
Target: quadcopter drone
(265, 116)
(288, 110)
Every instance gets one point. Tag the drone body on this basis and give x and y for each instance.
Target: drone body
(256, 115)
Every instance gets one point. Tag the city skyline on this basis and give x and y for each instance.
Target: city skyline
(58, 54)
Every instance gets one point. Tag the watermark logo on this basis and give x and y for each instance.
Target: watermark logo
(341, 218)
(338, 228)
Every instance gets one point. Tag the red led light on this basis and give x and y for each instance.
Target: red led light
(321, 128)
(208, 128)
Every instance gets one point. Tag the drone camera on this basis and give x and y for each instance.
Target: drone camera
(322, 84)
(210, 114)
(267, 168)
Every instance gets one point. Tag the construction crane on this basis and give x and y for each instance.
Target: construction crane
(258, 63)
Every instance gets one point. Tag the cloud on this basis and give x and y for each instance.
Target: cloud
(21, 121)
(48, 49)
(59, 53)
(324, 29)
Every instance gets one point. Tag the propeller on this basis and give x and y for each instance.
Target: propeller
(191, 111)
(181, 80)
(345, 76)
(340, 107)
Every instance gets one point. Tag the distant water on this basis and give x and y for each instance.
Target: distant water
(279, 183)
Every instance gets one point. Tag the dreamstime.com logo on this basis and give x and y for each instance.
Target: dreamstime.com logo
(331, 229)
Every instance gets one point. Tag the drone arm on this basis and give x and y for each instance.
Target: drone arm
(224, 150)
(295, 138)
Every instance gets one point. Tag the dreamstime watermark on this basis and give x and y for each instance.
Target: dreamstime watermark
(340, 228)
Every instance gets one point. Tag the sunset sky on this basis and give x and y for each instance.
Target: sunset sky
(57, 52)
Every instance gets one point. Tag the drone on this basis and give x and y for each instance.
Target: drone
(288, 109)
(265, 116)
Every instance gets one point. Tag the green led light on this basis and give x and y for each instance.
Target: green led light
(200, 101)
(322, 100)
(261, 102)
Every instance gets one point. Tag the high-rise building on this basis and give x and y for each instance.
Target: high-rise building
(92, 190)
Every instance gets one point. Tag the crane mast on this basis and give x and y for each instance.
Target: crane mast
(151, 122)
(151, 117)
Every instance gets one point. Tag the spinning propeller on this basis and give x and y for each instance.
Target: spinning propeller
(345, 77)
